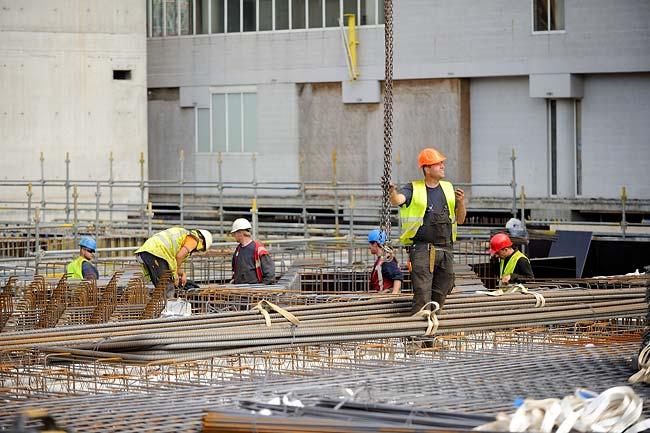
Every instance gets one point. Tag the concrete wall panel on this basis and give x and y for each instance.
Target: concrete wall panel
(616, 131)
(59, 95)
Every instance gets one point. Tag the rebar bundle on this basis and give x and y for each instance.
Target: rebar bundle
(268, 327)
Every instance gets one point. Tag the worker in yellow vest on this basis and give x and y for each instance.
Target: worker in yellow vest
(167, 250)
(82, 268)
(430, 209)
(514, 266)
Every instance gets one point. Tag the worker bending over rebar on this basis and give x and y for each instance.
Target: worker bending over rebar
(430, 209)
(514, 266)
(167, 250)
(251, 262)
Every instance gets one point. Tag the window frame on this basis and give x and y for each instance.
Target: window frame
(548, 20)
(240, 90)
(209, 32)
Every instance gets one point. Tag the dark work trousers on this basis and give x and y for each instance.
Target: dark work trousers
(156, 268)
(429, 286)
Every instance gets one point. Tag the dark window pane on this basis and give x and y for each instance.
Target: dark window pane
(298, 14)
(266, 14)
(249, 15)
(540, 15)
(332, 13)
(187, 17)
(578, 147)
(368, 10)
(171, 17)
(553, 139)
(233, 16)
(349, 7)
(557, 14)
(201, 17)
(281, 14)
(157, 18)
(217, 16)
(315, 14)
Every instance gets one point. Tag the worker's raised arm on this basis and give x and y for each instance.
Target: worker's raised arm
(461, 212)
(396, 199)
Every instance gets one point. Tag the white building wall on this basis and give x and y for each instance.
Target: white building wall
(503, 118)
(616, 135)
(58, 95)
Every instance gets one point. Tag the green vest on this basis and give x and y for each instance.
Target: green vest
(165, 245)
(412, 216)
(512, 262)
(74, 268)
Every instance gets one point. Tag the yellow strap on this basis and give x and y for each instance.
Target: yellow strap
(432, 319)
(540, 301)
(284, 313)
(432, 258)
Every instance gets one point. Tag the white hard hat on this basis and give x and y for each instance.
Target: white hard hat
(240, 224)
(207, 237)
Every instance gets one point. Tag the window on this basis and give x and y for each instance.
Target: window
(298, 14)
(121, 74)
(217, 16)
(229, 124)
(167, 18)
(578, 138)
(551, 108)
(548, 15)
(202, 17)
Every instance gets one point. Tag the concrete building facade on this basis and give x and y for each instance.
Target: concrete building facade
(72, 81)
(566, 83)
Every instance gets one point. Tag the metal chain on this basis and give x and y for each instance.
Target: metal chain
(388, 118)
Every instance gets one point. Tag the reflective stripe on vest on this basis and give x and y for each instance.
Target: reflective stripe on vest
(259, 250)
(412, 216)
(165, 245)
(75, 268)
(377, 281)
(510, 266)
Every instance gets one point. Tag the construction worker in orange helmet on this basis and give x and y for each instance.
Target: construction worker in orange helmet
(430, 209)
(514, 266)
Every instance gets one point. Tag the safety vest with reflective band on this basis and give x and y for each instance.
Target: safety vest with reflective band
(75, 268)
(412, 216)
(259, 251)
(165, 245)
(512, 262)
(377, 281)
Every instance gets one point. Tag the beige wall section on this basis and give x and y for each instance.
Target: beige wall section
(58, 95)
(426, 113)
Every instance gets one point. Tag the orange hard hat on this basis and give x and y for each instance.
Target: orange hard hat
(499, 242)
(430, 156)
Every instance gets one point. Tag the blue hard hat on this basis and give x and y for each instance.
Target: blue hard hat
(88, 243)
(378, 236)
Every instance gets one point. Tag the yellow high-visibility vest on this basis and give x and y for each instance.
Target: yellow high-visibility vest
(412, 216)
(510, 266)
(165, 245)
(75, 268)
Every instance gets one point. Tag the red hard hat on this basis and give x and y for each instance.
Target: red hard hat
(499, 242)
(430, 156)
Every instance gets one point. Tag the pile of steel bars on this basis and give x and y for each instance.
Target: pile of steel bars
(201, 337)
(477, 381)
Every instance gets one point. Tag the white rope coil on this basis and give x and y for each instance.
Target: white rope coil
(615, 410)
